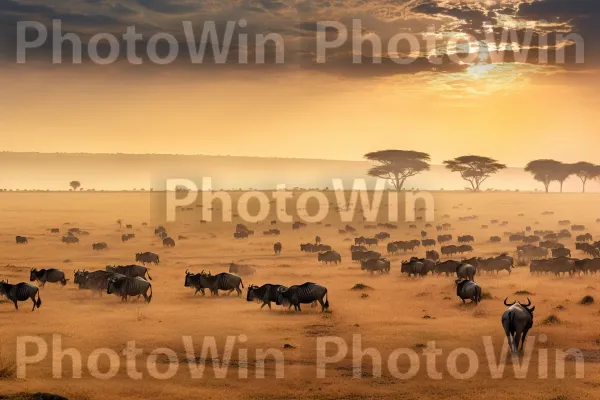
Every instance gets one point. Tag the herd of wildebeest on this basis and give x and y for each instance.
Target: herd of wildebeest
(540, 249)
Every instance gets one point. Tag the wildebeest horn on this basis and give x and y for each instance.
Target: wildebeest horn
(506, 304)
(187, 271)
(528, 303)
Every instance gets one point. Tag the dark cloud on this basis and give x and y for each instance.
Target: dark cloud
(169, 6)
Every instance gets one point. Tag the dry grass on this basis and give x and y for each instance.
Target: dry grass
(393, 315)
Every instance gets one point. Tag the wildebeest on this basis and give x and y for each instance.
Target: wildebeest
(428, 265)
(381, 265)
(468, 289)
(449, 250)
(584, 238)
(21, 240)
(465, 239)
(412, 267)
(272, 232)
(54, 230)
(306, 293)
(70, 239)
(577, 227)
(516, 321)
(147, 258)
(561, 252)
(99, 246)
(240, 235)
(447, 267)
(266, 293)
(96, 281)
(222, 281)
(496, 264)
(21, 292)
(126, 287)
(169, 242)
(130, 271)
(464, 248)
(360, 255)
(127, 236)
(193, 280)
(51, 275)
(465, 271)
(330, 256)
(444, 238)
(428, 242)
(495, 239)
(277, 247)
(241, 269)
(432, 255)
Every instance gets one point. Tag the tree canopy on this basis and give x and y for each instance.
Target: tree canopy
(545, 171)
(474, 169)
(398, 165)
(585, 171)
(75, 184)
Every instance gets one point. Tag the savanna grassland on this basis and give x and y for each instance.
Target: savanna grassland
(397, 312)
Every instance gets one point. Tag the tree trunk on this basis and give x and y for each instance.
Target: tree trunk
(546, 184)
(583, 181)
(561, 183)
(397, 184)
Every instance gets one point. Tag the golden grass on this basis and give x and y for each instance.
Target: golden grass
(399, 312)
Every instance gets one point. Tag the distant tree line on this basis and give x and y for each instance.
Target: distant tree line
(399, 165)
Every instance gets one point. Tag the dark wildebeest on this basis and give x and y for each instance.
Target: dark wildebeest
(330, 256)
(241, 269)
(54, 230)
(96, 281)
(449, 250)
(561, 252)
(428, 265)
(125, 237)
(240, 235)
(447, 267)
(516, 321)
(495, 264)
(428, 242)
(444, 238)
(266, 294)
(222, 281)
(193, 280)
(131, 271)
(495, 239)
(21, 240)
(468, 290)
(277, 247)
(99, 246)
(412, 267)
(584, 238)
(306, 293)
(47, 275)
(465, 271)
(466, 239)
(432, 255)
(126, 287)
(381, 265)
(70, 239)
(147, 258)
(168, 242)
(21, 292)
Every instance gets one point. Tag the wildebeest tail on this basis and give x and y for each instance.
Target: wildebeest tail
(241, 282)
(326, 301)
(148, 273)
(38, 303)
(478, 293)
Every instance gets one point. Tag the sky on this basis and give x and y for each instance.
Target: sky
(337, 109)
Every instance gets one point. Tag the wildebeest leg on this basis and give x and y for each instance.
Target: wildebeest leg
(463, 301)
(523, 339)
(239, 291)
(231, 290)
(322, 304)
(517, 341)
(264, 304)
(297, 307)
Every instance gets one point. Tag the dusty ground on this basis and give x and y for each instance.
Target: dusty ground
(393, 315)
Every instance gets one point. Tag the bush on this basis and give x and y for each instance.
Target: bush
(587, 300)
(361, 286)
(551, 320)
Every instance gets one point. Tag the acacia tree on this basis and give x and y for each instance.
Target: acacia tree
(563, 171)
(398, 165)
(585, 171)
(474, 169)
(75, 185)
(544, 171)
